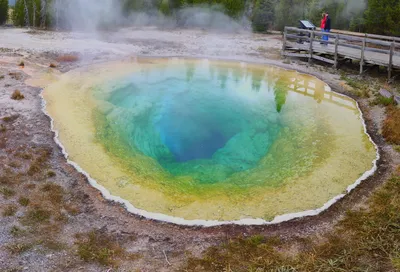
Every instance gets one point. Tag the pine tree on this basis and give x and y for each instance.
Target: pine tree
(3, 11)
(165, 7)
(263, 15)
(382, 17)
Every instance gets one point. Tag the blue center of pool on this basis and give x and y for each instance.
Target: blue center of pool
(196, 124)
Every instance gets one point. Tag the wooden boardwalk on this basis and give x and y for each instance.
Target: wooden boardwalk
(365, 48)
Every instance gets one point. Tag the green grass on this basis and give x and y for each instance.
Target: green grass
(360, 87)
(365, 240)
(384, 101)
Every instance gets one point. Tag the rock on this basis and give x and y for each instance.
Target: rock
(385, 93)
(397, 99)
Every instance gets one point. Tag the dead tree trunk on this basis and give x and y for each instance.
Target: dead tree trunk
(26, 14)
(34, 13)
(57, 13)
(43, 13)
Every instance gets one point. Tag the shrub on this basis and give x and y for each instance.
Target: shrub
(17, 95)
(68, 58)
(391, 126)
(51, 174)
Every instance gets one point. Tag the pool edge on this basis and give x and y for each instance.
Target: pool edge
(212, 223)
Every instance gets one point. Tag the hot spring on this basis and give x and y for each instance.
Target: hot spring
(181, 139)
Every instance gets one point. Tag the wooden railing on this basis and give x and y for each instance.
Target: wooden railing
(366, 48)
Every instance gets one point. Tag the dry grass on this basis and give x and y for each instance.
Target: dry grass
(40, 162)
(10, 119)
(359, 88)
(17, 95)
(53, 245)
(18, 248)
(366, 240)
(3, 128)
(51, 174)
(67, 58)
(10, 210)
(23, 201)
(96, 246)
(16, 231)
(41, 202)
(72, 209)
(24, 155)
(36, 215)
(391, 126)
(14, 164)
(15, 75)
(54, 192)
(7, 192)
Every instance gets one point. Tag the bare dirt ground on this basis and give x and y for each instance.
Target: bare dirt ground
(41, 234)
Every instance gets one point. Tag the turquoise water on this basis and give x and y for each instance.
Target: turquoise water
(186, 119)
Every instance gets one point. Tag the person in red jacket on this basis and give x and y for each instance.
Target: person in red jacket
(323, 24)
(323, 21)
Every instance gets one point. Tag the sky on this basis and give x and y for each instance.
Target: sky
(11, 2)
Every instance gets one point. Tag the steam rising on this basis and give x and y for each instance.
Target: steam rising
(92, 15)
(351, 6)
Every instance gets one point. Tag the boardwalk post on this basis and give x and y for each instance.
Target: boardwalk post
(311, 47)
(362, 55)
(336, 51)
(392, 46)
(284, 41)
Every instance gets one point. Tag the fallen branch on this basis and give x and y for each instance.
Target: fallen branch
(166, 258)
